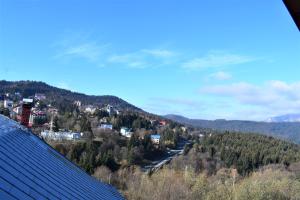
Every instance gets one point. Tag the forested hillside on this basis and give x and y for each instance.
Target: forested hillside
(220, 166)
(284, 130)
(30, 88)
(244, 152)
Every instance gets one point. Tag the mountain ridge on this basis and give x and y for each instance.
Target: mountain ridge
(29, 88)
(295, 117)
(283, 130)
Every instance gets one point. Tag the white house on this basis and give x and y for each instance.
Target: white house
(8, 104)
(106, 126)
(126, 132)
(77, 103)
(155, 138)
(62, 135)
(39, 96)
(90, 109)
(111, 110)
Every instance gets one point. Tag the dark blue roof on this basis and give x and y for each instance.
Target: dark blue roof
(31, 169)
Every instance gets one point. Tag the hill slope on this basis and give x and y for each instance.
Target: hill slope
(284, 130)
(285, 118)
(29, 88)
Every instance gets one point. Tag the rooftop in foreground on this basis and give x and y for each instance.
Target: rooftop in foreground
(31, 169)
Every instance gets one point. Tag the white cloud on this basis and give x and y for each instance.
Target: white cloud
(143, 58)
(221, 76)
(132, 60)
(216, 59)
(80, 46)
(178, 101)
(180, 106)
(271, 98)
(162, 53)
(88, 51)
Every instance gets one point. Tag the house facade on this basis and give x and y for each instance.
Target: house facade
(126, 132)
(106, 126)
(61, 135)
(155, 138)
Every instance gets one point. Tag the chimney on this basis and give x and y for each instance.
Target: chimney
(26, 110)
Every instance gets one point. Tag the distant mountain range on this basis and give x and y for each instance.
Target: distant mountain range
(30, 88)
(284, 130)
(285, 118)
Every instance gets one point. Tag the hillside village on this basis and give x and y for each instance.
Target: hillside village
(138, 137)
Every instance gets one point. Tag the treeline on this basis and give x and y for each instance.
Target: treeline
(248, 152)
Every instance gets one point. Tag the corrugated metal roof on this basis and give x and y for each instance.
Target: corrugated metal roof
(31, 169)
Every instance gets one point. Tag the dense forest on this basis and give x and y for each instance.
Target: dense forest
(54, 94)
(113, 152)
(244, 152)
(284, 130)
(222, 166)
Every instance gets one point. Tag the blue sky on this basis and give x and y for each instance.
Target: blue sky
(205, 59)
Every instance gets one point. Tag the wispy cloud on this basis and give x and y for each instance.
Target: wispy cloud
(180, 106)
(271, 98)
(161, 53)
(80, 46)
(89, 51)
(216, 59)
(220, 76)
(178, 101)
(144, 58)
(132, 60)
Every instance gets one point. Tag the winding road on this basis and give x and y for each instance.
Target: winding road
(171, 153)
